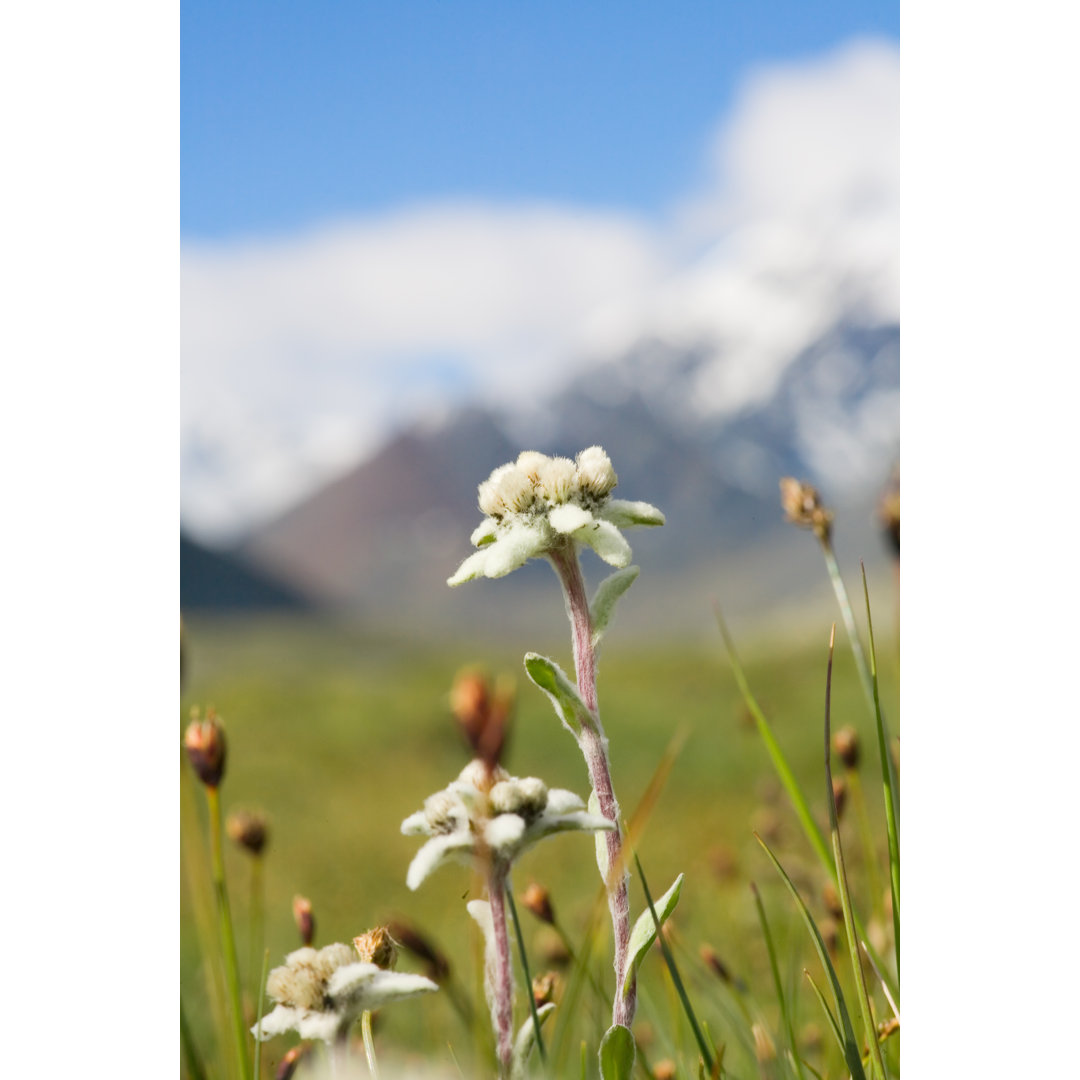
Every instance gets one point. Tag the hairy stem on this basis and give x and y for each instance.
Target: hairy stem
(594, 747)
(502, 1009)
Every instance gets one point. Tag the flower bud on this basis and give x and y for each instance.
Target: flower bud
(544, 987)
(305, 918)
(483, 713)
(595, 472)
(764, 1047)
(712, 961)
(831, 899)
(290, 1062)
(557, 480)
(846, 744)
(665, 1070)
(247, 829)
(204, 741)
(538, 900)
(839, 794)
(530, 462)
(412, 940)
(377, 947)
(802, 505)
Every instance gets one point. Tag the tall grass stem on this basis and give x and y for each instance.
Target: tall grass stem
(525, 971)
(228, 939)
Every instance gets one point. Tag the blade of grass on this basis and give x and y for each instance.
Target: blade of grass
(259, 1013)
(892, 793)
(784, 1012)
(884, 984)
(525, 970)
(798, 799)
(191, 1055)
(850, 1046)
(849, 619)
(833, 1025)
(876, 1060)
(787, 777)
(676, 978)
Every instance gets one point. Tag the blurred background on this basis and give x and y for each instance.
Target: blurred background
(419, 237)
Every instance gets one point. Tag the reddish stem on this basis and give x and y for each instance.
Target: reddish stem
(503, 1007)
(594, 747)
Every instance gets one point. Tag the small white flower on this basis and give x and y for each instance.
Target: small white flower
(320, 993)
(538, 503)
(515, 813)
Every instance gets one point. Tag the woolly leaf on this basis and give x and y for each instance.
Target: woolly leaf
(602, 608)
(526, 1040)
(563, 694)
(644, 932)
(617, 1053)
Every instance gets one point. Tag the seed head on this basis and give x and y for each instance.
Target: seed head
(247, 829)
(557, 477)
(846, 744)
(802, 505)
(595, 472)
(538, 900)
(377, 947)
(831, 899)
(483, 712)
(305, 918)
(204, 741)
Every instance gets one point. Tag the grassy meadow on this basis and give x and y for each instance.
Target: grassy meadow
(338, 735)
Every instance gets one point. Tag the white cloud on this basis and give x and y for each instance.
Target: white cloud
(301, 353)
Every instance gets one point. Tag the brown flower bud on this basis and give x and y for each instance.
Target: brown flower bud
(764, 1047)
(551, 948)
(830, 934)
(305, 919)
(204, 741)
(482, 713)
(889, 513)
(544, 987)
(839, 792)
(538, 900)
(802, 505)
(290, 1062)
(247, 829)
(712, 961)
(377, 947)
(412, 940)
(846, 744)
(831, 898)
(665, 1070)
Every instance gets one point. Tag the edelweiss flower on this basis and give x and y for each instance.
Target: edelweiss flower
(320, 993)
(504, 817)
(539, 502)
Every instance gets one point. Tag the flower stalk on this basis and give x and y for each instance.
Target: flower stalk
(502, 1010)
(594, 748)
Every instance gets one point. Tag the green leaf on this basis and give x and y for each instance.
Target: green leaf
(562, 693)
(608, 592)
(617, 1053)
(526, 1040)
(851, 1047)
(644, 933)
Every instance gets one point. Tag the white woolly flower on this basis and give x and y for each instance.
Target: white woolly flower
(321, 992)
(503, 816)
(538, 503)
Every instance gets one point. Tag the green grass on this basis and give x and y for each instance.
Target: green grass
(339, 735)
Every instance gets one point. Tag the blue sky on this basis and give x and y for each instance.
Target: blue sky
(297, 113)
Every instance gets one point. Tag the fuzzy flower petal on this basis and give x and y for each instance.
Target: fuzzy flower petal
(514, 548)
(504, 833)
(607, 542)
(569, 518)
(472, 568)
(363, 986)
(623, 513)
(438, 851)
(561, 801)
(484, 533)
